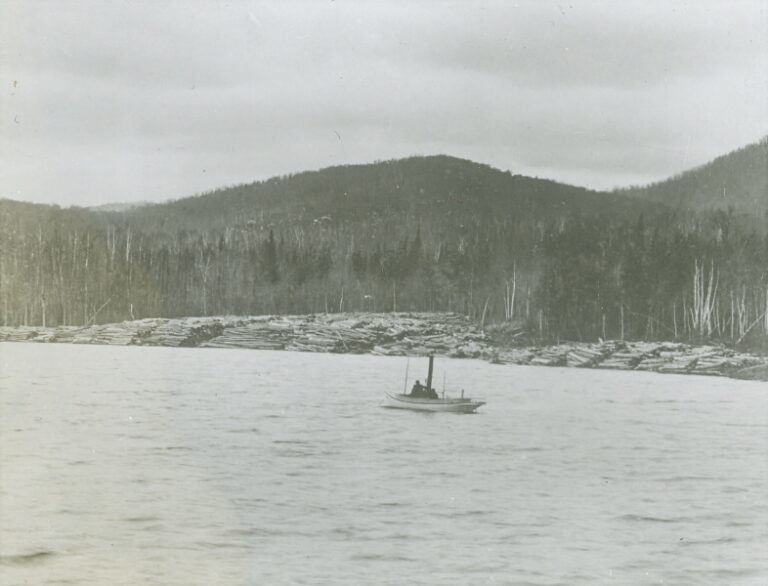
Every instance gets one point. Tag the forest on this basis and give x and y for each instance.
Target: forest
(418, 234)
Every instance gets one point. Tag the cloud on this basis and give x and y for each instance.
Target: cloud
(598, 44)
(124, 100)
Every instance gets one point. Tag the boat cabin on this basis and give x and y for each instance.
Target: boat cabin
(425, 392)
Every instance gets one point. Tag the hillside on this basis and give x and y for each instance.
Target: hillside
(119, 206)
(419, 234)
(439, 190)
(738, 180)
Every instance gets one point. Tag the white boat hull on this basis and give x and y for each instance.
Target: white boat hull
(437, 405)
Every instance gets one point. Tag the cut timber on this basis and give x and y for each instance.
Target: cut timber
(395, 334)
(759, 372)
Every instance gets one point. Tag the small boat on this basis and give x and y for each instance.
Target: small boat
(426, 399)
(401, 401)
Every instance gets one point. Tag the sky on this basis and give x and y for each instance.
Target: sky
(116, 101)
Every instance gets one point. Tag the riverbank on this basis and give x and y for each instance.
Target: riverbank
(398, 334)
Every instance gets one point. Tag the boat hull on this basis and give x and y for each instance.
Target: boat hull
(435, 405)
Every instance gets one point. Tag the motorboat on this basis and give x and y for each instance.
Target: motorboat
(460, 405)
(424, 398)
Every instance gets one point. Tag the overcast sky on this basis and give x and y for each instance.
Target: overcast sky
(112, 100)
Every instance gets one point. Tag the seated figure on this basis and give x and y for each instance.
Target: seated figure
(418, 390)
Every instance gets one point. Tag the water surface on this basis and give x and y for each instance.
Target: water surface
(128, 465)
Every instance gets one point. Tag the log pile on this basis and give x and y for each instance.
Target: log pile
(550, 357)
(662, 357)
(758, 372)
(20, 334)
(172, 332)
(398, 334)
(189, 332)
(249, 337)
(622, 360)
(586, 355)
(513, 356)
(384, 334)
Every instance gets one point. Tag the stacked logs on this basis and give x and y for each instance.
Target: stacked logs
(650, 356)
(397, 334)
(385, 334)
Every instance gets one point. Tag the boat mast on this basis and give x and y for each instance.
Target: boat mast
(429, 375)
(405, 382)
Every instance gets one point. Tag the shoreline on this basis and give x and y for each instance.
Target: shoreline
(398, 334)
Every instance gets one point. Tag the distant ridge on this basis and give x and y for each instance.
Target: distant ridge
(737, 180)
(437, 189)
(445, 185)
(119, 206)
(433, 233)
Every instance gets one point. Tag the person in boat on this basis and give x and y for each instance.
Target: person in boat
(418, 390)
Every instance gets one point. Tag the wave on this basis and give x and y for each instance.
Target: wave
(172, 449)
(78, 462)
(716, 541)
(221, 545)
(267, 532)
(644, 518)
(731, 572)
(687, 478)
(460, 514)
(372, 557)
(145, 519)
(25, 558)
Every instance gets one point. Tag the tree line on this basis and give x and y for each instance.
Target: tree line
(564, 274)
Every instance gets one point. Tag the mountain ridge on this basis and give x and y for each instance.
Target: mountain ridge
(419, 234)
(416, 187)
(737, 180)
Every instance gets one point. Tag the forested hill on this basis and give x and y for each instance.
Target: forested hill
(736, 181)
(440, 191)
(419, 234)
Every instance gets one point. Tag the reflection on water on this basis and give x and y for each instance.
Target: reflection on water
(124, 465)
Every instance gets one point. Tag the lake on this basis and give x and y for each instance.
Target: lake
(168, 466)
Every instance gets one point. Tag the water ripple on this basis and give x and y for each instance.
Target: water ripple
(25, 558)
(218, 480)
